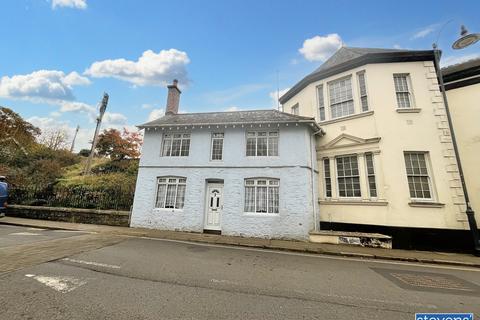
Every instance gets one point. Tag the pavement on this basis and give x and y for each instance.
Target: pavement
(118, 276)
(299, 246)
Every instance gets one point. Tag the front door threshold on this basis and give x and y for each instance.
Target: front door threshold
(212, 231)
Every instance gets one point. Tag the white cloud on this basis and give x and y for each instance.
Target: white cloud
(448, 61)
(274, 96)
(75, 106)
(156, 114)
(41, 86)
(319, 48)
(150, 69)
(233, 108)
(424, 32)
(74, 79)
(114, 119)
(397, 46)
(77, 4)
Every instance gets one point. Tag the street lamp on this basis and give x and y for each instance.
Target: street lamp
(464, 41)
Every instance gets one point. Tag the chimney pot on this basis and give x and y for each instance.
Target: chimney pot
(173, 98)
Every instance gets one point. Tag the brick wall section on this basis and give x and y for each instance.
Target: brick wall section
(450, 162)
(90, 216)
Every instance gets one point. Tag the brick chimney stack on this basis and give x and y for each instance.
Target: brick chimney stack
(173, 99)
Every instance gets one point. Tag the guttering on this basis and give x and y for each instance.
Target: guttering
(384, 57)
(312, 123)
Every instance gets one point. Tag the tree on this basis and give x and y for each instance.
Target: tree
(13, 126)
(55, 139)
(117, 146)
(84, 153)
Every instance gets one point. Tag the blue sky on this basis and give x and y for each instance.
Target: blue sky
(59, 56)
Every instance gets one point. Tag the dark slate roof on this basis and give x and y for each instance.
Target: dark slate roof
(461, 66)
(348, 58)
(462, 74)
(461, 70)
(229, 118)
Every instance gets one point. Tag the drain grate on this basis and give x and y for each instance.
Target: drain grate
(426, 281)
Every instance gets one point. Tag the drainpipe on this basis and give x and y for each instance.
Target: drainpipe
(312, 180)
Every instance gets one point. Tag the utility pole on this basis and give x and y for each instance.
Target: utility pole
(103, 107)
(74, 138)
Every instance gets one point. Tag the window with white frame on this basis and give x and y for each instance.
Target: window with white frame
(372, 185)
(262, 143)
(176, 145)
(348, 176)
(321, 102)
(170, 192)
(402, 90)
(217, 146)
(341, 98)
(262, 195)
(327, 177)
(418, 176)
(362, 86)
(295, 110)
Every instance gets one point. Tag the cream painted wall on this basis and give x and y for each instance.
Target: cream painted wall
(465, 111)
(425, 129)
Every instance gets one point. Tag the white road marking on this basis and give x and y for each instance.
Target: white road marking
(224, 281)
(92, 263)
(60, 284)
(24, 234)
(36, 229)
(67, 231)
(322, 256)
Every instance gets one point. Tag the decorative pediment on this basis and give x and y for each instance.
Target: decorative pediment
(346, 140)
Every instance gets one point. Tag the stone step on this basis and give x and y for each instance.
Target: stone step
(371, 240)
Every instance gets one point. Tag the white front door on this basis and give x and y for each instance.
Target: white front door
(214, 208)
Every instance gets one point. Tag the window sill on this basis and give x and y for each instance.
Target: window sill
(353, 202)
(426, 204)
(349, 117)
(167, 210)
(263, 157)
(408, 110)
(260, 214)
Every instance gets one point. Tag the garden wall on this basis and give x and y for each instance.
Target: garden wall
(91, 216)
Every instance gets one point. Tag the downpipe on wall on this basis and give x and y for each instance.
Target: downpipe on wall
(312, 170)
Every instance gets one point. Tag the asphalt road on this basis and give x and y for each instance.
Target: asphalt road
(157, 279)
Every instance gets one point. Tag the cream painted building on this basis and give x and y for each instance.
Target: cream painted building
(462, 83)
(386, 162)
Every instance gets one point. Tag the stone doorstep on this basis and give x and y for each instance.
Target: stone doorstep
(370, 240)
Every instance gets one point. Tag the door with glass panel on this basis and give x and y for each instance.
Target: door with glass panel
(214, 206)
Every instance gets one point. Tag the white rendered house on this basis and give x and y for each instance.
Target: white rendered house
(246, 173)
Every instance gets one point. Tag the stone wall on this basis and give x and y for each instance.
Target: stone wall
(91, 216)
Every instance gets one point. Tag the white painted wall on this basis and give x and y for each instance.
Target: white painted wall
(292, 167)
(464, 105)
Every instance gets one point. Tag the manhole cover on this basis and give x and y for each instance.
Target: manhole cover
(427, 281)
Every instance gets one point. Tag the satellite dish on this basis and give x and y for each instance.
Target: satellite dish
(465, 39)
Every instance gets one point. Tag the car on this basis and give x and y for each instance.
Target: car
(3, 196)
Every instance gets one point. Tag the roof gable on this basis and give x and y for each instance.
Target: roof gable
(347, 58)
(346, 140)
